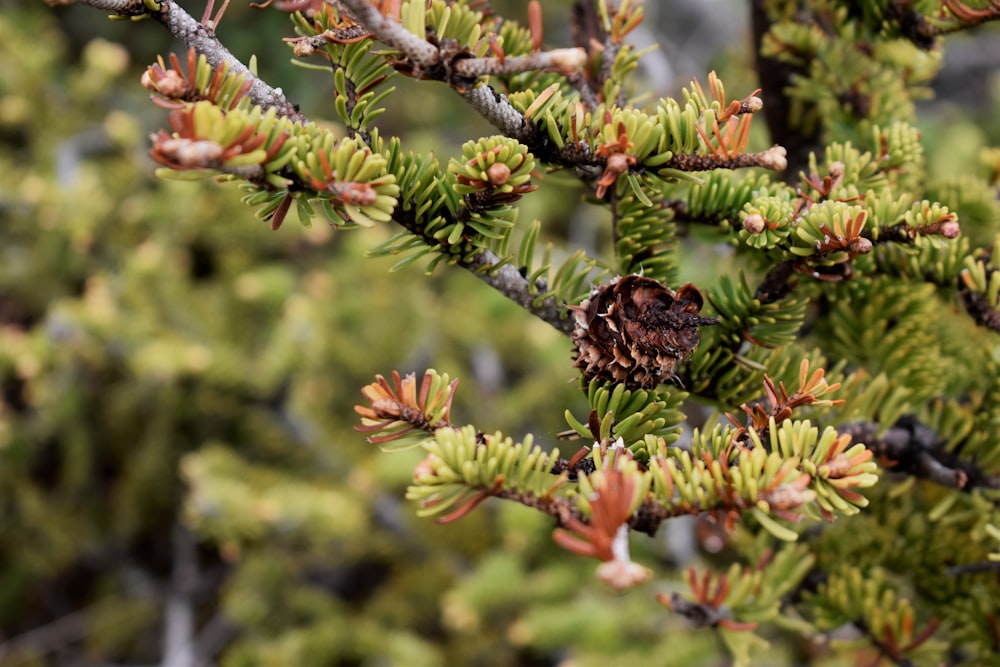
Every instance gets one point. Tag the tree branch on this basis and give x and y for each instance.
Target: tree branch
(915, 449)
(47, 638)
(218, 632)
(389, 31)
(184, 27)
(427, 61)
(508, 281)
(774, 77)
(502, 115)
(978, 306)
(774, 159)
(178, 631)
(430, 61)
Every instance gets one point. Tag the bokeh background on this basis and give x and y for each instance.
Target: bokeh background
(180, 481)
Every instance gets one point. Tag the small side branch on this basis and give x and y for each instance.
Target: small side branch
(501, 114)
(773, 159)
(178, 636)
(507, 280)
(978, 306)
(980, 310)
(777, 283)
(124, 8)
(556, 60)
(912, 24)
(555, 506)
(187, 29)
(915, 449)
(428, 61)
(389, 31)
(424, 60)
(774, 78)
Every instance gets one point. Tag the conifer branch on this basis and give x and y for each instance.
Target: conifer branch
(179, 616)
(418, 51)
(203, 39)
(557, 507)
(565, 61)
(913, 25)
(973, 568)
(503, 277)
(773, 159)
(423, 60)
(777, 283)
(507, 280)
(979, 308)
(639, 331)
(699, 614)
(775, 77)
(122, 8)
(501, 114)
(54, 635)
(915, 449)
(977, 305)
(589, 33)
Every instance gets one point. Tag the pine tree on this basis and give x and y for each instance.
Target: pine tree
(785, 347)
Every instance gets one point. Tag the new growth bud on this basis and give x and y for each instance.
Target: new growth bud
(754, 223)
(498, 173)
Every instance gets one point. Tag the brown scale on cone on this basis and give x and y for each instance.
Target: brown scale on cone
(635, 331)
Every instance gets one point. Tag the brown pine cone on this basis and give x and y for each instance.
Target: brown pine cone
(635, 331)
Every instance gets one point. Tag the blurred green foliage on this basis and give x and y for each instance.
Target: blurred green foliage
(164, 361)
(157, 346)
